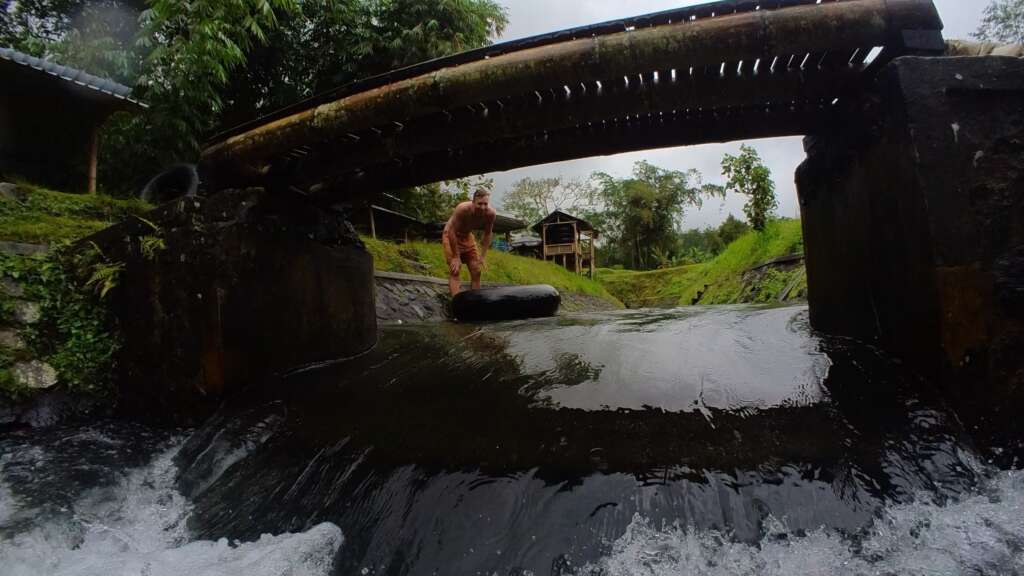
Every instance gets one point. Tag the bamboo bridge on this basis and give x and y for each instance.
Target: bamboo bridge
(907, 195)
(716, 72)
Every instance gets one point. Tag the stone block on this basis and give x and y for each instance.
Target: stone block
(11, 340)
(913, 217)
(35, 374)
(26, 312)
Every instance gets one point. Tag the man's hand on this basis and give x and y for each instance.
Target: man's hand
(453, 266)
(483, 263)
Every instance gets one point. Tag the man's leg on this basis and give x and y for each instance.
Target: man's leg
(474, 273)
(450, 254)
(454, 284)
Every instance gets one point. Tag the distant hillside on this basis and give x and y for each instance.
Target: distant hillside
(727, 279)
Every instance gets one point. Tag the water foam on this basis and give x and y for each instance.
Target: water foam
(982, 533)
(139, 528)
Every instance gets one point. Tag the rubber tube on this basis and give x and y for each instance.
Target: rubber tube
(506, 303)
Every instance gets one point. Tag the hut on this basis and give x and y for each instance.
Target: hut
(50, 116)
(567, 240)
(379, 222)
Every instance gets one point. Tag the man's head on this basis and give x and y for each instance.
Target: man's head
(481, 200)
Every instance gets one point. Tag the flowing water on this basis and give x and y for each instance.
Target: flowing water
(726, 440)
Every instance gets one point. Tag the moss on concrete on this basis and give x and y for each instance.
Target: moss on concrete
(40, 216)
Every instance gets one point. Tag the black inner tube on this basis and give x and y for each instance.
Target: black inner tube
(506, 303)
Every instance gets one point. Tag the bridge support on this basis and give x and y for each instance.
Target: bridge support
(248, 284)
(913, 216)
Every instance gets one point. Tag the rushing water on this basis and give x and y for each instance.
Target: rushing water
(694, 441)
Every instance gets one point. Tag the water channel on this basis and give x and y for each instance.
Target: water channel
(717, 440)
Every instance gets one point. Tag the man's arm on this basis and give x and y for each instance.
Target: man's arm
(488, 235)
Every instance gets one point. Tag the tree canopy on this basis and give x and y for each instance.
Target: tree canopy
(531, 199)
(221, 62)
(748, 175)
(640, 216)
(1003, 21)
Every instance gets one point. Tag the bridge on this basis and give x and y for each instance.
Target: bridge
(910, 194)
(717, 72)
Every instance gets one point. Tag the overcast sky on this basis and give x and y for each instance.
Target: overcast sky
(782, 155)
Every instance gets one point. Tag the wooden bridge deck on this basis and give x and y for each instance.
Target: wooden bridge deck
(711, 73)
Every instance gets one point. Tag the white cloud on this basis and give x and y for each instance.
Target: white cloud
(782, 155)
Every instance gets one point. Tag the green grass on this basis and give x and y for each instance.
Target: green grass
(654, 288)
(42, 216)
(719, 281)
(501, 268)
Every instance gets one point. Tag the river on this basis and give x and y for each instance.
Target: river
(717, 440)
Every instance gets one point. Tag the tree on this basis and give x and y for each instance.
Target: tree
(748, 175)
(1003, 21)
(639, 216)
(435, 202)
(329, 43)
(221, 62)
(531, 199)
(731, 229)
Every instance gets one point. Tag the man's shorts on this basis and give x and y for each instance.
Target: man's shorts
(466, 244)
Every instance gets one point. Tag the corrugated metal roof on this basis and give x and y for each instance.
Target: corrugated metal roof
(103, 85)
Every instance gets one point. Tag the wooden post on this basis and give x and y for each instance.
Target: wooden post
(592, 238)
(373, 226)
(575, 248)
(544, 242)
(94, 152)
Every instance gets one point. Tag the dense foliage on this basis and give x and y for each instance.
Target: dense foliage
(697, 245)
(639, 216)
(1003, 21)
(326, 43)
(204, 65)
(435, 202)
(74, 333)
(748, 175)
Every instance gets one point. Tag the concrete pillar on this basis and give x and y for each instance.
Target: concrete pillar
(913, 217)
(250, 285)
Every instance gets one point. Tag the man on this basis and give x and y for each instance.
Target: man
(459, 243)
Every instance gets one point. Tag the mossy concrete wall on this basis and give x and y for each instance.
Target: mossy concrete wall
(246, 284)
(913, 217)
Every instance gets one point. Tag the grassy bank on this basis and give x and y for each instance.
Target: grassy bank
(68, 329)
(723, 280)
(427, 258)
(36, 215)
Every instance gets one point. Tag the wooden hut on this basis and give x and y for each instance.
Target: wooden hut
(50, 117)
(568, 240)
(379, 222)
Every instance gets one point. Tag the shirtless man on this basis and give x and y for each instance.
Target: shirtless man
(459, 243)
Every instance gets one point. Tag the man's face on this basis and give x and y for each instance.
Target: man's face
(480, 204)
